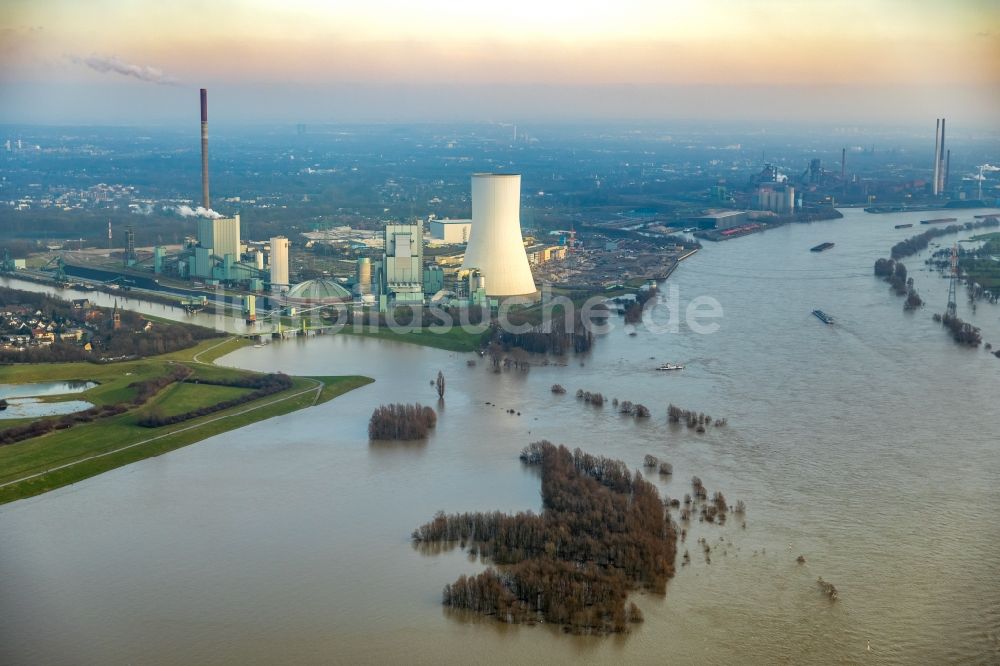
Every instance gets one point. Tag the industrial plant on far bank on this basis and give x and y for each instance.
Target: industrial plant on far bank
(478, 260)
(474, 261)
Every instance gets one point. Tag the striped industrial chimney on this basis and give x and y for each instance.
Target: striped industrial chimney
(206, 202)
(937, 156)
(941, 158)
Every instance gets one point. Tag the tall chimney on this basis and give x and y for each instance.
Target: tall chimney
(947, 169)
(843, 163)
(941, 157)
(206, 202)
(937, 155)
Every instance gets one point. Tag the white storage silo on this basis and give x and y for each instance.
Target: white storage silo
(279, 264)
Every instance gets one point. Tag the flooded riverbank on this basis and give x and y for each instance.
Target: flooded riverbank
(869, 447)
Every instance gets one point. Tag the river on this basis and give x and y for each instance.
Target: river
(869, 447)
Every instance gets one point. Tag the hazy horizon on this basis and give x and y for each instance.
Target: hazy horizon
(886, 62)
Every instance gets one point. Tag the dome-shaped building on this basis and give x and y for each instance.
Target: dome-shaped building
(322, 291)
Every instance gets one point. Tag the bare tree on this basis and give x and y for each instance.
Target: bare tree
(439, 384)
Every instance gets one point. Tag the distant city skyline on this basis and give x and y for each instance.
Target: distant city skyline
(113, 61)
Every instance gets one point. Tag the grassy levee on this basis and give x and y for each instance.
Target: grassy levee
(450, 339)
(334, 386)
(63, 457)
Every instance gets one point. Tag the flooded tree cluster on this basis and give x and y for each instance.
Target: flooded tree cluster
(550, 338)
(628, 408)
(596, 399)
(961, 331)
(696, 420)
(894, 272)
(401, 421)
(712, 511)
(828, 589)
(603, 532)
(633, 313)
(652, 462)
(918, 243)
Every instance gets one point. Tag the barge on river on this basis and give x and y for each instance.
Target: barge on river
(823, 317)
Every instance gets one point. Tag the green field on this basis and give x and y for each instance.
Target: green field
(66, 456)
(180, 398)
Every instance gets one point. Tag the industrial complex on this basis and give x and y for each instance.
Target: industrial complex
(475, 256)
(474, 261)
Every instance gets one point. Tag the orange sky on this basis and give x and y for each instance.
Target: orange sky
(517, 42)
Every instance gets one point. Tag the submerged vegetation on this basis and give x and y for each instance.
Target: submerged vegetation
(692, 419)
(894, 272)
(400, 421)
(558, 337)
(915, 244)
(633, 313)
(595, 399)
(603, 532)
(827, 587)
(962, 332)
(652, 462)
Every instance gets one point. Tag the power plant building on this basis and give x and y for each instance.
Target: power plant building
(451, 231)
(403, 262)
(279, 264)
(221, 235)
(322, 291)
(496, 247)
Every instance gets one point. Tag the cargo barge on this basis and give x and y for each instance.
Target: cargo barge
(903, 226)
(939, 220)
(823, 317)
(822, 247)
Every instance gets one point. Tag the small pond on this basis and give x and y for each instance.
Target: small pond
(20, 408)
(44, 389)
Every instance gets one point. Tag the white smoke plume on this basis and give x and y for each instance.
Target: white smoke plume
(112, 64)
(200, 211)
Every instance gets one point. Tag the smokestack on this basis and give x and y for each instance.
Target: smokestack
(937, 155)
(843, 163)
(941, 167)
(947, 169)
(206, 202)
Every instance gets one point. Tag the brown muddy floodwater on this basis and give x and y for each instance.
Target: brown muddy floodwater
(870, 447)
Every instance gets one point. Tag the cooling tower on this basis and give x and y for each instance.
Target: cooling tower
(495, 245)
